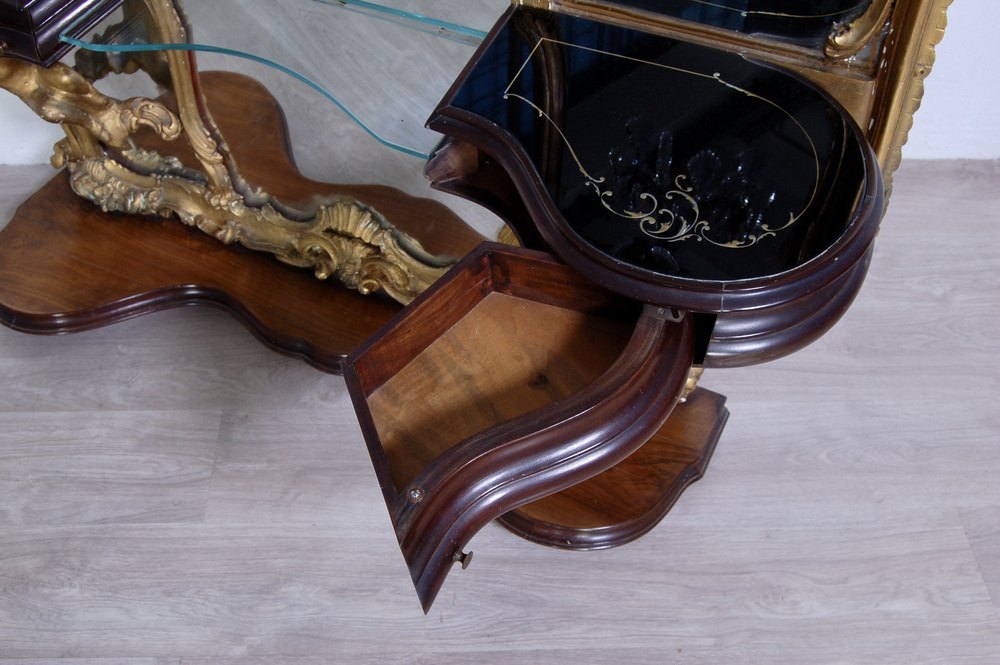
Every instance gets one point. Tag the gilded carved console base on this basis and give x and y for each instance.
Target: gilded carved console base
(66, 266)
(345, 239)
(59, 94)
(340, 237)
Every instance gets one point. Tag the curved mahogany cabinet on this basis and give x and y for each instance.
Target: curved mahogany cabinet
(669, 172)
(508, 381)
(679, 202)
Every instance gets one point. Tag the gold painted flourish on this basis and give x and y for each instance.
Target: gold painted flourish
(663, 223)
(757, 12)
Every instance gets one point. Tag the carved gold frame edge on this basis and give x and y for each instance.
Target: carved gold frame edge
(916, 35)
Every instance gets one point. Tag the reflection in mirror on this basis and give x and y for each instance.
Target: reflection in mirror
(328, 46)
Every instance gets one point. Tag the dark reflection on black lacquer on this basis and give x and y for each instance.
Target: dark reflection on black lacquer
(802, 22)
(672, 158)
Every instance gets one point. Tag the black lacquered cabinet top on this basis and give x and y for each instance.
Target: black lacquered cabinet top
(30, 29)
(662, 158)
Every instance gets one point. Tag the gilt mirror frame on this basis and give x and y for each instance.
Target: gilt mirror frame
(875, 65)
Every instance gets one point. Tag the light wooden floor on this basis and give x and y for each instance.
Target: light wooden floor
(171, 491)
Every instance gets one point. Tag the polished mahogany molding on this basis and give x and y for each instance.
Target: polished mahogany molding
(509, 380)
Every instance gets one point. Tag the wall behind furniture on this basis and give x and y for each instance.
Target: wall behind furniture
(958, 117)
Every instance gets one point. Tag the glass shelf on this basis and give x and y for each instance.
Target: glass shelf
(384, 65)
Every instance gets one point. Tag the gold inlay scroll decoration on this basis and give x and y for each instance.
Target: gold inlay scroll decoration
(660, 221)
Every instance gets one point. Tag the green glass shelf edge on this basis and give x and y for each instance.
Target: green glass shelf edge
(412, 20)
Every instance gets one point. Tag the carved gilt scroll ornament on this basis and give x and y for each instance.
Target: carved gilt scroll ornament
(341, 238)
(849, 38)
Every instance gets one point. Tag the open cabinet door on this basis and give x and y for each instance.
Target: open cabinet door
(508, 381)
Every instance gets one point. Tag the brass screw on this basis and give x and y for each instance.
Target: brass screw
(464, 558)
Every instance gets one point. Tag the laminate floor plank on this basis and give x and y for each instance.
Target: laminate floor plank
(121, 367)
(173, 491)
(858, 595)
(983, 528)
(295, 467)
(105, 467)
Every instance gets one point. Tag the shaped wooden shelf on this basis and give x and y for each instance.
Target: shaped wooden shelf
(66, 266)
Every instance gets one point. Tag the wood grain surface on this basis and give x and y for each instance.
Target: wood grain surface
(508, 357)
(173, 491)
